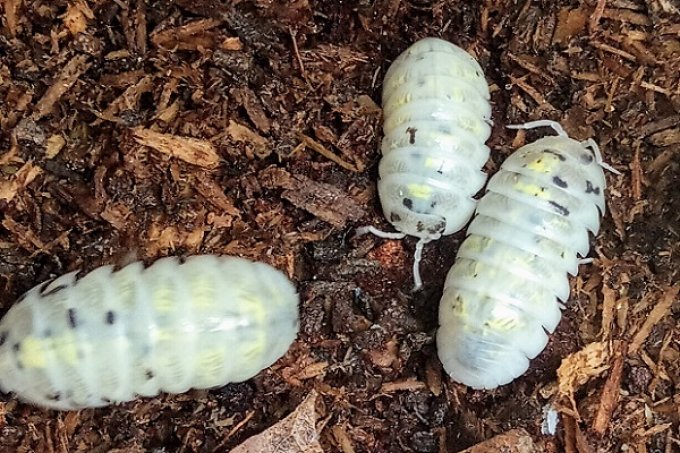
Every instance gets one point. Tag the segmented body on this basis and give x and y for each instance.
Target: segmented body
(114, 334)
(503, 292)
(437, 119)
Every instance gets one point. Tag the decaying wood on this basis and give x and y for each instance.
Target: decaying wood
(192, 150)
(66, 78)
(326, 202)
(610, 392)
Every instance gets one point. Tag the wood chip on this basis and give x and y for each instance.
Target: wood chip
(22, 178)
(12, 14)
(611, 390)
(405, 385)
(249, 100)
(319, 148)
(514, 441)
(129, 100)
(68, 76)
(660, 310)
(324, 201)
(190, 36)
(256, 145)
(192, 150)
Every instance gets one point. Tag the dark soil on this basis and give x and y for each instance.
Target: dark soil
(287, 95)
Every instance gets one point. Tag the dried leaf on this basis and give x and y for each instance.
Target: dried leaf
(514, 441)
(294, 434)
(578, 368)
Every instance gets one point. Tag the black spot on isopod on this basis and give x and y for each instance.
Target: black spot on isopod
(433, 204)
(420, 227)
(16, 347)
(555, 153)
(54, 290)
(586, 158)
(56, 396)
(559, 208)
(22, 297)
(110, 317)
(590, 188)
(394, 217)
(72, 318)
(149, 374)
(559, 182)
(412, 135)
(408, 203)
(43, 287)
(3, 338)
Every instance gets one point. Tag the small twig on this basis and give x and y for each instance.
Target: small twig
(296, 50)
(319, 148)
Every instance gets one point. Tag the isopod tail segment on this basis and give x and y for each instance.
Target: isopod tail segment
(589, 143)
(417, 256)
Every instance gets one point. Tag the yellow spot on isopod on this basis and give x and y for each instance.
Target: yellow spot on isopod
(544, 164)
(162, 299)
(419, 190)
(532, 189)
(33, 351)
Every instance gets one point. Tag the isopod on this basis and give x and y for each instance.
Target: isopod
(114, 334)
(436, 121)
(502, 295)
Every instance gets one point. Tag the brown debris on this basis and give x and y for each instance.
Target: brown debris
(326, 202)
(68, 76)
(660, 310)
(12, 8)
(514, 441)
(76, 16)
(578, 368)
(128, 101)
(319, 148)
(191, 150)
(294, 434)
(194, 35)
(256, 145)
(570, 22)
(22, 178)
(610, 392)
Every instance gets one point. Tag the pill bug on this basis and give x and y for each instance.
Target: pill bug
(504, 290)
(436, 120)
(114, 334)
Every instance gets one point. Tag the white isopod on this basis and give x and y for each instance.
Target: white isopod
(502, 294)
(437, 119)
(114, 334)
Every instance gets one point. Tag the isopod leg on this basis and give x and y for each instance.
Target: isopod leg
(541, 123)
(381, 234)
(590, 143)
(585, 261)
